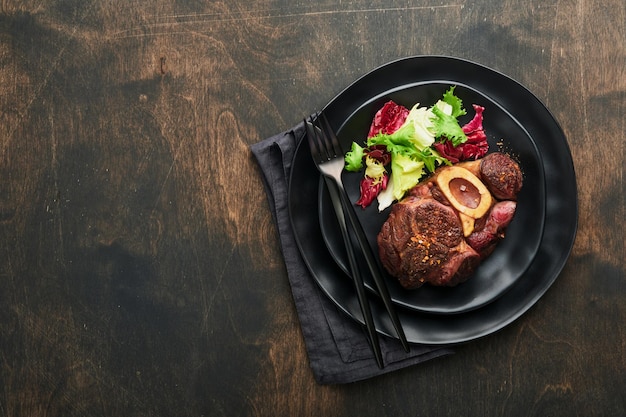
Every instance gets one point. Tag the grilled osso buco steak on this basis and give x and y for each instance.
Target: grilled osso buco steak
(446, 225)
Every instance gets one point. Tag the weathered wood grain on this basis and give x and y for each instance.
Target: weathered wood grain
(140, 271)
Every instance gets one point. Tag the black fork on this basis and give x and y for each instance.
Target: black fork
(328, 158)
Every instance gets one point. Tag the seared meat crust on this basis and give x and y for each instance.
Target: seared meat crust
(501, 175)
(416, 240)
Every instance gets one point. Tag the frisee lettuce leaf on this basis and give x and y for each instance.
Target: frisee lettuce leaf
(406, 173)
(418, 127)
(447, 126)
(354, 158)
(446, 112)
(455, 102)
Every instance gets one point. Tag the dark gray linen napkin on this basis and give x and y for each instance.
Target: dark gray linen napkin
(337, 346)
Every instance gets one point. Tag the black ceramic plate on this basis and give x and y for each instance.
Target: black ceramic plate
(512, 256)
(544, 151)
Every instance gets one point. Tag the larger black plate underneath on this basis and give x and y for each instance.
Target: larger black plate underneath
(524, 268)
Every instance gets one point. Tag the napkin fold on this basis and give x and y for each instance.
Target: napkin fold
(337, 346)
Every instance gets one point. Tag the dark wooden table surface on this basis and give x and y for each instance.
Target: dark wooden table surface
(140, 270)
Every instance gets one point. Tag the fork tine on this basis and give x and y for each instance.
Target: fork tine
(311, 136)
(329, 134)
(326, 152)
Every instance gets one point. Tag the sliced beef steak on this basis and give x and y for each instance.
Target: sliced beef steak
(487, 235)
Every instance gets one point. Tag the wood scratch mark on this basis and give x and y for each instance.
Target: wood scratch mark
(216, 286)
(164, 183)
(179, 19)
(268, 13)
(174, 150)
(581, 41)
(54, 163)
(552, 49)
